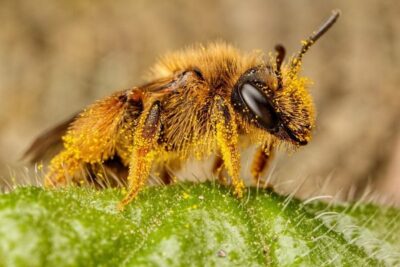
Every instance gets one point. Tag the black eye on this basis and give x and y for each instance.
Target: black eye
(258, 105)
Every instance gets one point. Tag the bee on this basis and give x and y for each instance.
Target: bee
(202, 101)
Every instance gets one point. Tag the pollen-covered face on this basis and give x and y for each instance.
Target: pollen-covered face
(280, 105)
(274, 97)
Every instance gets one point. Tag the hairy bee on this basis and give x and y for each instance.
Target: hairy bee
(204, 100)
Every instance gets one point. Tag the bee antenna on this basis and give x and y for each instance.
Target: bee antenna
(280, 49)
(315, 36)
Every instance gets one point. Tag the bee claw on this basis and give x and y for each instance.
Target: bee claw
(238, 189)
(121, 206)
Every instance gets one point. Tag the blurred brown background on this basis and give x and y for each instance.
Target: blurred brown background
(58, 56)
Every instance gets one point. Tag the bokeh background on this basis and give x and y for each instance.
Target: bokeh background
(58, 56)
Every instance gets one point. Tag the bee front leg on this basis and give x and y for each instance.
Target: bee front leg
(145, 140)
(227, 140)
(261, 161)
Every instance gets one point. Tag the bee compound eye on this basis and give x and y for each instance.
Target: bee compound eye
(258, 104)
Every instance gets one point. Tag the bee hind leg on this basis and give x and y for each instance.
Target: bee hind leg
(88, 142)
(63, 169)
(145, 139)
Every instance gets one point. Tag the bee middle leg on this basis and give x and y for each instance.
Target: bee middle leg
(261, 161)
(166, 176)
(227, 140)
(217, 169)
(146, 136)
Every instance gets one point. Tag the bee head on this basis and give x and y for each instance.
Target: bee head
(274, 97)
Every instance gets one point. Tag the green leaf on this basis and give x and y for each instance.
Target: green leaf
(191, 225)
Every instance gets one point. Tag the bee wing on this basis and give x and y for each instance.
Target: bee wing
(162, 85)
(48, 143)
